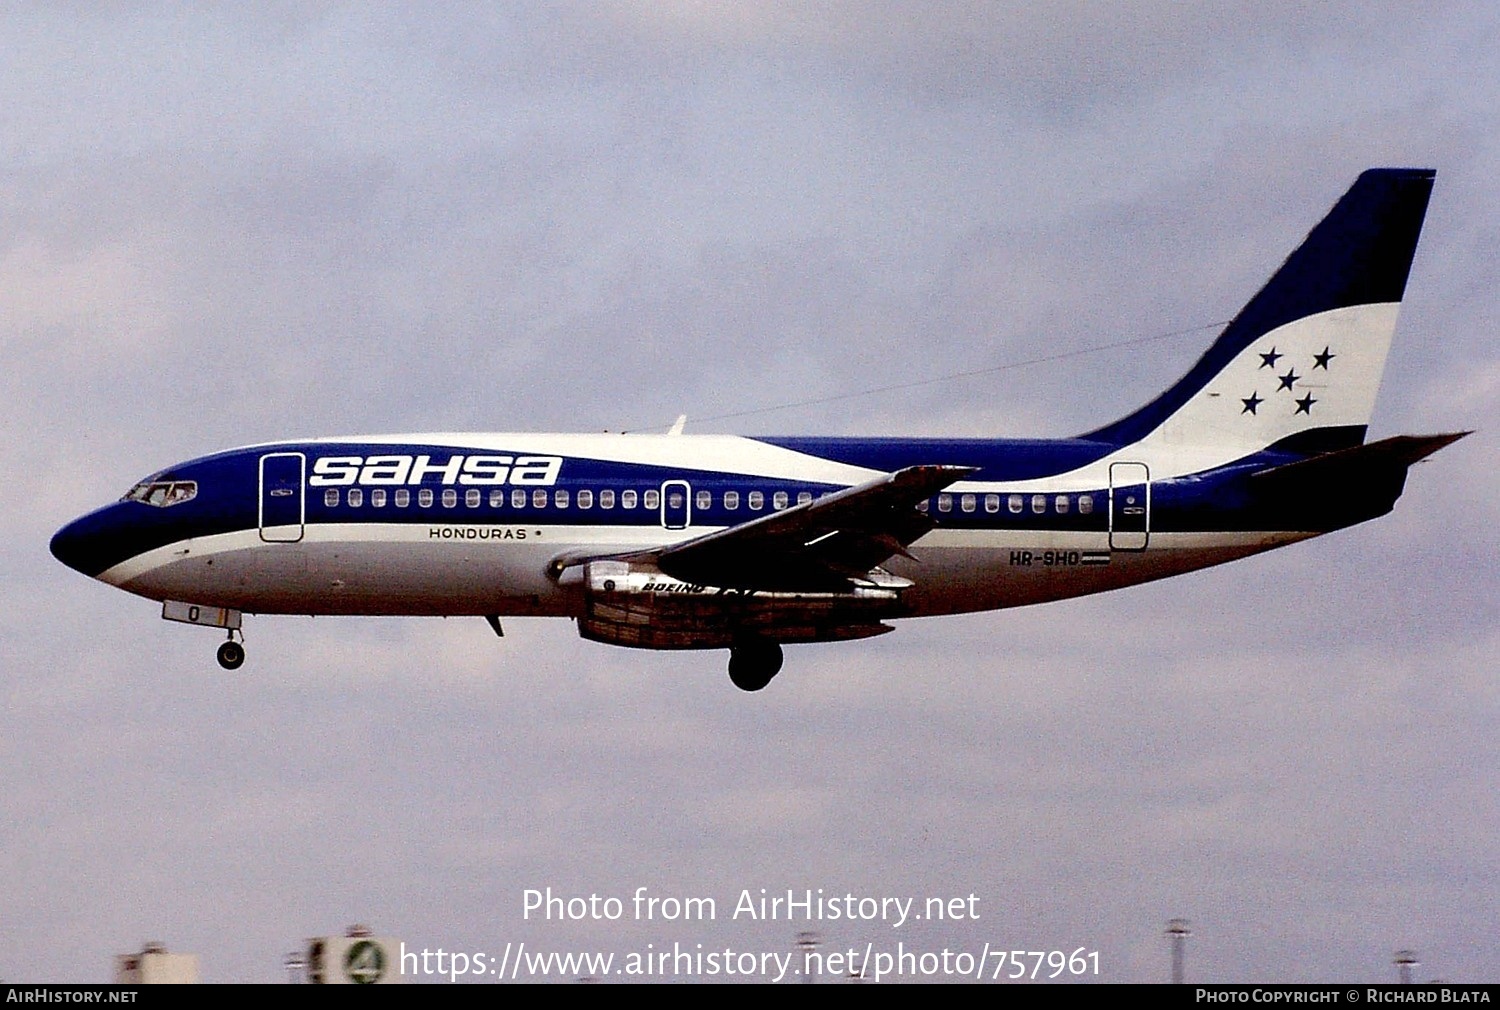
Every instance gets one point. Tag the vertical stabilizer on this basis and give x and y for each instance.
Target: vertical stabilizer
(1300, 365)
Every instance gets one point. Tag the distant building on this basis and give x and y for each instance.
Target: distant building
(154, 966)
(356, 958)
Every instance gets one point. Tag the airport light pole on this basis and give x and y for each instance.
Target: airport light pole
(1178, 931)
(807, 942)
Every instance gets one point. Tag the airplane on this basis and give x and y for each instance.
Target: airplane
(678, 541)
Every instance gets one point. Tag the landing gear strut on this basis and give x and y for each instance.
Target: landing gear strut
(752, 663)
(231, 654)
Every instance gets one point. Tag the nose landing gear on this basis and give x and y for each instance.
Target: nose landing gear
(231, 654)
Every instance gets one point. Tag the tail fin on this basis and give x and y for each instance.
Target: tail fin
(1299, 367)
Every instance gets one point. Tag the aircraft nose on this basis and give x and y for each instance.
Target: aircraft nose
(88, 544)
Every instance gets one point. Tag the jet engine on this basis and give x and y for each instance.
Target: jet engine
(635, 604)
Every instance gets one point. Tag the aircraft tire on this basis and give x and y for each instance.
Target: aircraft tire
(752, 664)
(231, 655)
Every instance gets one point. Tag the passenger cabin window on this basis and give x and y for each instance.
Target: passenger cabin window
(560, 498)
(450, 498)
(924, 505)
(757, 501)
(1060, 503)
(780, 500)
(472, 498)
(403, 498)
(945, 503)
(675, 499)
(651, 499)
(627, 499)
(606, 499)
(585, 499)
(967, 503)
(330, 497)
(1038, 503)
(992, 503)
(1014, 504)
(377, 498)
(703, 499)
(539, 499)
(424, 497)
(1085, 504)
(356, 497)
(497, 499)
(731, 500)
(517, 498)
(803, 497)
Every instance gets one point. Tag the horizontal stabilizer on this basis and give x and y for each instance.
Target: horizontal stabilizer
(1344, 487)
(1400, 452)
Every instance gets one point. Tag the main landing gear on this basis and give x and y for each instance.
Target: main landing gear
(231, 653)
(753, 662)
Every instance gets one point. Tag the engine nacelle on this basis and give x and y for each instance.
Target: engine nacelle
(636, 604)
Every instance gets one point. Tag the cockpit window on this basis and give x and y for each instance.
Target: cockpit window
(163, 493)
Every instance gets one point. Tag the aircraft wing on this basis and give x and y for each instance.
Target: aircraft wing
(818, 546)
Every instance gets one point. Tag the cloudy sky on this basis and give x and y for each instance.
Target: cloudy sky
(220, 227)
